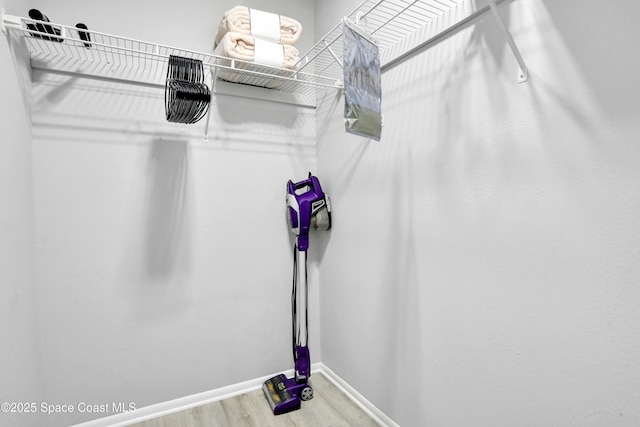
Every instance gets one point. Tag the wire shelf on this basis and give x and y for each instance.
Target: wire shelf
(398, 26)
(60, 48)
(389, 22)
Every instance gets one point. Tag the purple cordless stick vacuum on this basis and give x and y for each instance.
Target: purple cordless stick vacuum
(307, 207)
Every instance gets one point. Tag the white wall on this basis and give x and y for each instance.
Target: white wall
(164, 262)
(484, 262)
(19, 357)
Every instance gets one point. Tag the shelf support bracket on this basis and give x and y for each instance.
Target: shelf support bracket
(333, 54)
(10, 21)
(523, 74)
(214, 75)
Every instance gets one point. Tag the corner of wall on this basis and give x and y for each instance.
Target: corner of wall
(22, 382)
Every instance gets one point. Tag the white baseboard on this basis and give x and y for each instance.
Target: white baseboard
(369, 408)
(183, 403)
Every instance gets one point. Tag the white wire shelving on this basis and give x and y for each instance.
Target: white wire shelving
(109, 57)
(402, 28)
(390, 22)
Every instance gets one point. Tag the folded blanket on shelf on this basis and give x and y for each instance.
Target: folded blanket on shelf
(247, 48)
(255, 61)
(265, 25)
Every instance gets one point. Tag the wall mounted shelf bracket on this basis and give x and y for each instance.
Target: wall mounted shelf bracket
(9, 21)
(523, 74)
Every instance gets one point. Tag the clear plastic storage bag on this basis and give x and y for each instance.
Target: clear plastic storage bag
(362, 83)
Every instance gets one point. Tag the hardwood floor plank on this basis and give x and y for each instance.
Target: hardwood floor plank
(328, 408)
(256, 405)
(348, 411)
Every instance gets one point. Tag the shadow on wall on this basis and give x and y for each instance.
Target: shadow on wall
(20, 56)
(166, 225)
(443, 70)
(261, 126)
(409, 287)
(404, 302)
(156, 246)
(233, 111)
(49, 93)
(485, 37)
(491, 38)
(601, 37)
(67, 107)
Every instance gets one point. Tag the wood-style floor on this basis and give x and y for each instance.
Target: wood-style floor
(328, 408)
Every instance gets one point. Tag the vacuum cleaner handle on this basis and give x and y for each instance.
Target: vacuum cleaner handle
(293, 186)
